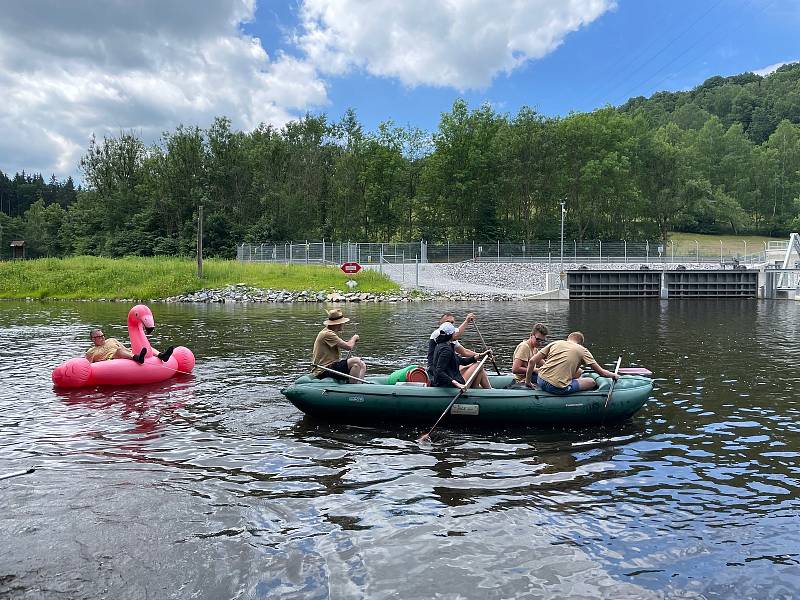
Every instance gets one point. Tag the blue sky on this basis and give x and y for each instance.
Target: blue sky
(72, 70)
(637, 47)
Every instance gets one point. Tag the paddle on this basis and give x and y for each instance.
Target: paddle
(17, 473)
(640, 371)
(427, 436)
(611, 389)
(485, 347)
(341, 374)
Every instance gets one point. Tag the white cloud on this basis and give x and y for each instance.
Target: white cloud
(71, 69)
(772, 68)
(462, 44)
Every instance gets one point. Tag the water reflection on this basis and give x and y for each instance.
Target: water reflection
(216, 486)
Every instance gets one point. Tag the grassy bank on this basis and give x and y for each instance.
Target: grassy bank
(88, 277)
(709, 245)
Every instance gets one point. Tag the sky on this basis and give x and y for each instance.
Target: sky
(71, 70)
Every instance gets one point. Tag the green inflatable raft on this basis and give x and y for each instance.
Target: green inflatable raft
(379, 401)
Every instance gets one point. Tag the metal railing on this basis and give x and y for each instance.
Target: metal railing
(594, 251)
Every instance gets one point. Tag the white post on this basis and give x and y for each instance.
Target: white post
(448, 250)
(601, 251)
(697, 249)
(672, 249)
(498, 250)
(720, 252)
(625, 242)
(416, 266)
(745, 251)
(323, 251)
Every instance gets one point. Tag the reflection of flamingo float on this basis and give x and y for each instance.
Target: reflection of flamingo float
(79, 372)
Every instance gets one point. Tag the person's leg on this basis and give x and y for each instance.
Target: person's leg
(584, 383)
(483, 380)
(165, 355)
(466, 373)
(356, 367)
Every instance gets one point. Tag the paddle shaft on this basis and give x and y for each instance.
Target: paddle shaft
(641, 371)
(341, 374)
(425, 436)
(611, 389)
(17, 473)
(485, 347)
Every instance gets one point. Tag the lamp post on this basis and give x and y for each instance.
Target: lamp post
(563, 211)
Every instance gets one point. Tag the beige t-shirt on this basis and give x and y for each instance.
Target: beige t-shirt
(326, 349)
(561, 360)
(104, 352)
(524, 352)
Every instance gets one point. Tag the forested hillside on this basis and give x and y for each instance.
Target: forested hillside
(722, 158)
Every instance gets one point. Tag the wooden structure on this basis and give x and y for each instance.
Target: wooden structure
(17, 249)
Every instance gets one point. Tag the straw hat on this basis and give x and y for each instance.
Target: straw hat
(335, 317)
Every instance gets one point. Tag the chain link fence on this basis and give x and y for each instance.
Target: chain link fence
(595, 251)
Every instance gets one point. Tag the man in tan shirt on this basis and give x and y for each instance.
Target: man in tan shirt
(328, 347)
(561, 371)
(525, 351)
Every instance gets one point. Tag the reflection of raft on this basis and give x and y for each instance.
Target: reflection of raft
(79, 372)
(330, 399)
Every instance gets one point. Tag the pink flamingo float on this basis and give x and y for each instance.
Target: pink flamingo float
(79, 372)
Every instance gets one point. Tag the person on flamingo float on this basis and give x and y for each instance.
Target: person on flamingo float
(328, 347)
(111, 348)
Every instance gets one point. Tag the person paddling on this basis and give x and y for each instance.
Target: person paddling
(328, 347)
(561, 371)
(448, 319)
(446, 362)
(110, 348)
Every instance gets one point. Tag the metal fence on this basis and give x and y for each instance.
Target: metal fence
(595, 251)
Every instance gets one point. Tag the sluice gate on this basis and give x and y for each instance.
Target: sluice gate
(584, 284)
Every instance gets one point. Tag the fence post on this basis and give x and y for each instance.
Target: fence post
(745, 251)
(448, 250)
(306, 252)
(697, 250)
(601, 251)
(647, 251)
(404, 265)
(416, 266)
(720, 252)
(323, 251)
(575, 243)
(625, 242)
(473, 250)
(672, 248)
(380, 259)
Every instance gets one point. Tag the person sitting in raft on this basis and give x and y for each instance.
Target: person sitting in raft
(446, 362)
(560, 372)
(110, 348)
(457, 346)
(328, 347)
(523, 353)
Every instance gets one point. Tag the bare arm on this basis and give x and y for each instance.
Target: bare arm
(462, 328)
(519, 367)
(349, 344)
(604, 372)
(465, 351)
(535, 360)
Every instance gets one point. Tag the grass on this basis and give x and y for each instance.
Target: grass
(709, 245)
(93, 278)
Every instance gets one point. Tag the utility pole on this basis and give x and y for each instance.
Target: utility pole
(200, 242)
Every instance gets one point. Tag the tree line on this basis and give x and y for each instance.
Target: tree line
(722, 158)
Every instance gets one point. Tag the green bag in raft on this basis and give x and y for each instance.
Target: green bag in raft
(400, 374)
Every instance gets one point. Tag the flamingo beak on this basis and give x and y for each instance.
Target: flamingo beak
(149, 330)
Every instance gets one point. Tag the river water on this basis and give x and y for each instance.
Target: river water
(215, 486)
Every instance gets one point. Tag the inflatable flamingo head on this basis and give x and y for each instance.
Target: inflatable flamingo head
(141, 314)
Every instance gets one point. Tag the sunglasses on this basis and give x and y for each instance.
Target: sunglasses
(540, 340)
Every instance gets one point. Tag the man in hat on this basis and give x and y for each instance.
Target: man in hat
(328, 347)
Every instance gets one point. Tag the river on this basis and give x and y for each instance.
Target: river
(215, 486)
